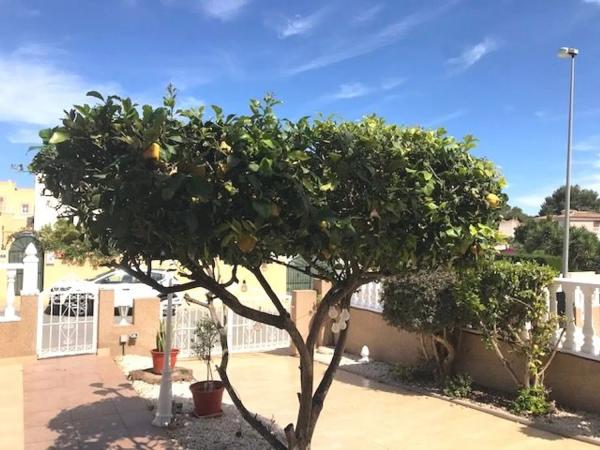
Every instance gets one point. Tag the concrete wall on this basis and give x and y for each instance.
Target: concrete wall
(19, 338)
(574, 381)
(146, 320)
(386, 343)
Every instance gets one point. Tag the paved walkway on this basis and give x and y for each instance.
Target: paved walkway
(364, 415)
(84, 402)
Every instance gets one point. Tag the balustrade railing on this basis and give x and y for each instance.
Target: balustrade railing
(368, 297)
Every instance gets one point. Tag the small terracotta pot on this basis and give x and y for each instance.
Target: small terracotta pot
(208, 396)
(158, 360)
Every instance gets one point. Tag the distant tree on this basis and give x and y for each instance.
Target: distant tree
(513, 212)
(545, 236)
(70, 244)
(581, 200)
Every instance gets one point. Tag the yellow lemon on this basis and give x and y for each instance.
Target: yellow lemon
(492, 200)
(247, 243)
(152, 152)
(225, 147)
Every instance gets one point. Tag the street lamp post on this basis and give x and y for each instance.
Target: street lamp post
(567, 52)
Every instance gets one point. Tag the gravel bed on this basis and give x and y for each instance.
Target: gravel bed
(229, 431)
(563, 421)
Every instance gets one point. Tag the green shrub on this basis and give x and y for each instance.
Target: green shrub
(424, 302)
(532, 401)
(422, 372)
(509, 298)
(459, 386)
(543, 259)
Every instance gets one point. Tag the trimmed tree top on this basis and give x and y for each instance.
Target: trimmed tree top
(159, 183)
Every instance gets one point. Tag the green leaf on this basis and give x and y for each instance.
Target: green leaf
(95, 94)
(263, 208)
(267, 143)
(253, 167)
(58, 137)
(299, 155)
(326, 187)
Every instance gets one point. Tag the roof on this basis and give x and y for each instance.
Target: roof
(579, 215)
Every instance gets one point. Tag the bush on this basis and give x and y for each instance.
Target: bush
(542, 259)
(424, 302)
(532, 401)
(459, 386)
(408, 374)
(507, 299)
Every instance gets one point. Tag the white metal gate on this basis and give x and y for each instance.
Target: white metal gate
(243, 335)
(68, 322)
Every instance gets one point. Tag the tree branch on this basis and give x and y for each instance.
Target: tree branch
(318, 398)
(500, 355)
(251, 418)
(213, 286)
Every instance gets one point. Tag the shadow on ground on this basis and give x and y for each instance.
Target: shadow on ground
(119, 420)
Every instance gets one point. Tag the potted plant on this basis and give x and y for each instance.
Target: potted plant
(209, 393)
(158, 354)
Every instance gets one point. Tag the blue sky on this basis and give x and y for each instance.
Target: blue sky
(481, 67)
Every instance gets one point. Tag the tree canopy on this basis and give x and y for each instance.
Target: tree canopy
(581, 200)
(545, 236)
(357, 200)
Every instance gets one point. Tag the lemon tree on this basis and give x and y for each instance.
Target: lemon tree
(357, 200)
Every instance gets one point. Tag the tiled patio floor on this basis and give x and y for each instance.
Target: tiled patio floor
(364, 415)
(84, 402)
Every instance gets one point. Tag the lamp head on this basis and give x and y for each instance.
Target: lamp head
(568, 52)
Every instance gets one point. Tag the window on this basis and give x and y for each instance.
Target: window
(25, 208)
(1, 204)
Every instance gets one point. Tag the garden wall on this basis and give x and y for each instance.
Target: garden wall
(146, 320)
(17, 338)
(574, 380)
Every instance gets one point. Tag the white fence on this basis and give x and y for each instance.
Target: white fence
(29, 266)
(581, 311)
(368, 297)
(243, 334)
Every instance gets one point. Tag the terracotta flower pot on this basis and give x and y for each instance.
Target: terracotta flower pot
(158, 360)
(207, 397)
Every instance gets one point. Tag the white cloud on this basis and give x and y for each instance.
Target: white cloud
(472, 55)
(441, 120)
(391, 83)
(34, 91)
(351, 90)
(299, 25)
(364, 44)
(592, 2)
(25, 136)
(368, 14)
(222, 9)
(357, 89)
(592, 143)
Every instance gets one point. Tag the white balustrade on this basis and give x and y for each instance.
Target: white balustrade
(570, 291)
(588, 327)
(581, 300)
(30, 271)
(368, 297)
(9, 308)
